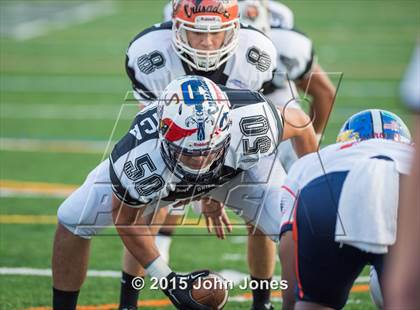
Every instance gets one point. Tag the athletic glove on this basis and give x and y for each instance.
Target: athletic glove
(179, 290)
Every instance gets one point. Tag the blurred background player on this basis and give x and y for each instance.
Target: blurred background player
(297, 69)
(403, 269)
(341, 204)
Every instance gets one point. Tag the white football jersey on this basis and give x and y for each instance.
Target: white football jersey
(295, 59)
(339, 157)
(140, 176)
(152, 63)
(281, 15)
(294, 52)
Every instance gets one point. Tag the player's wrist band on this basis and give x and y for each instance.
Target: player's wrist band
(158, 268)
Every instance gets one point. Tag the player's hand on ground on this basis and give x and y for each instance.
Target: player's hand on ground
(179, 290)
(216, 217)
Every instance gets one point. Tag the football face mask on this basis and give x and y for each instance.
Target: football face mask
(213, 20)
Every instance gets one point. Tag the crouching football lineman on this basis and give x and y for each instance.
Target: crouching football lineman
(340, 209)
(197, 140)
(202, 38)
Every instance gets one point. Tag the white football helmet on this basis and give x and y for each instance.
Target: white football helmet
(195, 120)
(256, 14)
(205, 16)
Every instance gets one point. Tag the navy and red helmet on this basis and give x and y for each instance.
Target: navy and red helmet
(374, 124)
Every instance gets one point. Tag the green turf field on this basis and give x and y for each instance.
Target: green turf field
(65, 88)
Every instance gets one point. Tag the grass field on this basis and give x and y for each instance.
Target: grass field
(62, 86)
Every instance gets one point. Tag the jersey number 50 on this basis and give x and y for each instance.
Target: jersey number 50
(144, 185)
(255, 126)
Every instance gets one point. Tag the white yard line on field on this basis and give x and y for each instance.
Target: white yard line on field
(38, 23)
(17, 111)
(119, 84)
(54, 146)
(69, 84)
(68, 112)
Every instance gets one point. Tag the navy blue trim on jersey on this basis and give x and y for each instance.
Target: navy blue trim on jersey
(308, 67)
(383, 157)
(308, 64)
(250, 27)
(239, 98)
(130, 141)
(269, 87)
(285, 228)
(138, 87)
(185, 190)
(279, 120)
(138, 134)
(242, 97)
(318, 255)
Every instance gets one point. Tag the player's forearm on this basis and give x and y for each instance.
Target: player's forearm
(143, 248)
(322, 91)
(322, 101)
(140, 243)
(134, 232)
(306, 142)
(298, 127)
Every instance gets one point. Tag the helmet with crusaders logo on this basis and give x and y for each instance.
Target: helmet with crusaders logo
(194, 115)
(205, 16)
(374, 124)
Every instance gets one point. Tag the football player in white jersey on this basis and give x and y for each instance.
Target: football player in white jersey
(197, 140)
(296, 66)
(204, 38)
(295, 60)
(339, 209)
